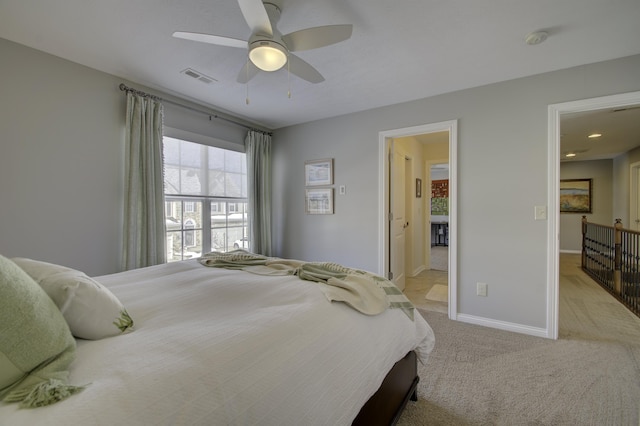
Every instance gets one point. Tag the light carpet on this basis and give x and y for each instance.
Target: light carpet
(438, 293)
(483, 376)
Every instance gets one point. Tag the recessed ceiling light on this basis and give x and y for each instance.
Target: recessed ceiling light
(571, 154)
(594, 135)
(536, 37)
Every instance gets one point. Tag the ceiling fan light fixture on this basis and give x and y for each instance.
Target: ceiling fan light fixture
(267, 55)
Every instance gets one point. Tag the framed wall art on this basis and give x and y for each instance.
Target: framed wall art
(318, 172)
(575, 195)
(418, 188)
(319, 201)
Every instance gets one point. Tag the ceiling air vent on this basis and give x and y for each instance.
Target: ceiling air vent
(198, 75)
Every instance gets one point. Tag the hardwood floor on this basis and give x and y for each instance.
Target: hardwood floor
(416, 288)
(581, 299)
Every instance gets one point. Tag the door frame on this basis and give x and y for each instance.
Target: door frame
(553, 183)
(384, 138)
(634, 188)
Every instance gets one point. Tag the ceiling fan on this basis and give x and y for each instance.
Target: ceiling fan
(268, 49)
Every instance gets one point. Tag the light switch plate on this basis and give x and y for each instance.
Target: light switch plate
(541, 212)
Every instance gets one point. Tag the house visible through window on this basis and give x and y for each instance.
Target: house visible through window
(205, 197)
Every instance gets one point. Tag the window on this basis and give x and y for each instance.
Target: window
(205, 197)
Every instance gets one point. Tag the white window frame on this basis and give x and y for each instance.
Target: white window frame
(224, 203)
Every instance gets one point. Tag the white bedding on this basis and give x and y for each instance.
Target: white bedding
(222, 347)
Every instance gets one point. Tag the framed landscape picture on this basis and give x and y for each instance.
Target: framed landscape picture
(575, 195)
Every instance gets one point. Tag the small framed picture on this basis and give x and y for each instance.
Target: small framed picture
(418, 188)
(318, 172)
(575, 195)
(319, 201)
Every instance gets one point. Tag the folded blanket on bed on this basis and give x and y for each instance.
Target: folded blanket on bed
(366, 292)
(236, 259)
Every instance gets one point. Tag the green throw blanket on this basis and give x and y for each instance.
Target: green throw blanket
(366, 292)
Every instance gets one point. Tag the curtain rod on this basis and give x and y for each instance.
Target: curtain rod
(124, 88)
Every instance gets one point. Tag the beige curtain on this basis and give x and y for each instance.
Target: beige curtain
(144, 224)
(258, 150)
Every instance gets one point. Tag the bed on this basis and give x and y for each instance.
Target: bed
(219, 346)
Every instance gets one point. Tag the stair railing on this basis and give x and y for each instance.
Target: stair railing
(611, 256)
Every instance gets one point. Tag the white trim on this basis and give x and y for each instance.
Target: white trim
(418, 270)
(554, 111)
(571, 251)
(383, 199)
(503, 325)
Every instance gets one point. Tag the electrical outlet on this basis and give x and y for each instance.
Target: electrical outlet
(481, 289)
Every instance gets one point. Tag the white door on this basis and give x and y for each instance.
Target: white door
(397, 223)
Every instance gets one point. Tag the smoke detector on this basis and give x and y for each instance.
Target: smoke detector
(536, 37)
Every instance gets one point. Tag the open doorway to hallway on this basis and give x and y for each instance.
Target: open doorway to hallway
(419, 143)
(428, 287)
(569, 116)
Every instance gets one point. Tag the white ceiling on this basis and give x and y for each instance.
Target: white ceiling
(619, 127)
(399, 51)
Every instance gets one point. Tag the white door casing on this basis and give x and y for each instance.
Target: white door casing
(384, 246)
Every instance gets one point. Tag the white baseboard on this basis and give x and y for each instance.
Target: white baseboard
(418, 270)
(502, 325)
(571, 251)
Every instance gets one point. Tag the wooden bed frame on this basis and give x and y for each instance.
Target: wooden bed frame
(399, 386)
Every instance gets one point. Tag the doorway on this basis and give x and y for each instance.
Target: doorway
(420, 211)
(553, 250)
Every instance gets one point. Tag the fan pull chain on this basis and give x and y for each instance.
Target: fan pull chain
(247, 83)
(289, 77)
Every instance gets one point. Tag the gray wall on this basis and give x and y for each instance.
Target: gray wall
(61, 167)
(61, 159)
(61, 141)
(502, 175)
(602, 200)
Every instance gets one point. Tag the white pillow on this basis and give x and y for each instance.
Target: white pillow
(90, 309)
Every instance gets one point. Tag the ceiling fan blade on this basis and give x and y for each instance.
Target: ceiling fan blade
(312, 38)
(303, 70)
(245, 75)
(211, 39)
(256, 16)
